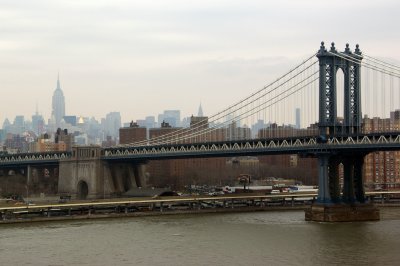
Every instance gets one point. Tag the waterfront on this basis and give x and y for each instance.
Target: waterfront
(256, 238)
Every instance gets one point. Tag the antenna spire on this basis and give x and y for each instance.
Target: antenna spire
(200, 112)
(58, 81)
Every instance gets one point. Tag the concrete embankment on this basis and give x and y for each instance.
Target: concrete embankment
(147, 213)
(118, 208)
(150, 206)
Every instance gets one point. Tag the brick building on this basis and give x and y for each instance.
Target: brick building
(289, 165)
(132, 133)
(382, 169)
(180, 172)
(62, 137)
(160, 172)
(45, 144)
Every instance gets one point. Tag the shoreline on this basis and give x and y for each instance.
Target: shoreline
(104, 216)
(150, 213)
(158, 206)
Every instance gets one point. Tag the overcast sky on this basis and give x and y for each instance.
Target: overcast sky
(142, 57)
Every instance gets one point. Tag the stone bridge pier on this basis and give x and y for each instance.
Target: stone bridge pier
(123, 177)
(336, 204)
(86, 175)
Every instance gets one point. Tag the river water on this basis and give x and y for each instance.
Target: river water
(258, 238)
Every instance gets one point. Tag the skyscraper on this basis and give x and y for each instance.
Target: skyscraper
(58, 104)
(298, 118)
(37, 123)
(112, 123)
(200, 112)
(173, 117)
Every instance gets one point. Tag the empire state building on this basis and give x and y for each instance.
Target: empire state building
(58, 104)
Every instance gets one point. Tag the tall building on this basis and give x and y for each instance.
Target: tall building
(298, 118)
(38, 123)
(18, 126)
(2, 137)
(6, 125)
(150, 121)
(172, 117)
(112, 124)
(382, 168)
(58, 104)
(256, 127)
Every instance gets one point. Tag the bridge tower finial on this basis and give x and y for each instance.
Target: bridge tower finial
(333, 49)
(358, 51)
(322, 48)
(347, 50)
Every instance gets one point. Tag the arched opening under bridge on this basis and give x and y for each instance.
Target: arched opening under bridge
(83, 190)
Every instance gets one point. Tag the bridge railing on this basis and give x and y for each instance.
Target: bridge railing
(280, 145)
(25, 157)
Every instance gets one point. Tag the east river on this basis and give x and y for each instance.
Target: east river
(258, 238)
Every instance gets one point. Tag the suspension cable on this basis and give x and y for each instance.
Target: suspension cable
(246, 114)
(227, 122)
(231, 109)
(368, 65)
(381, 62)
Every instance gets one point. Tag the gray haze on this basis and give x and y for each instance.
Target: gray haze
(142, 57)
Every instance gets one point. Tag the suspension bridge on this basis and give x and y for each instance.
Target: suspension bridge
(339, 93)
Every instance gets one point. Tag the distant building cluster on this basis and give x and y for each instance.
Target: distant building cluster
(219, 171)
(381, 169)
(62, 131)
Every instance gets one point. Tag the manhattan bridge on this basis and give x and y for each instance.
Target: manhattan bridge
(334, 89)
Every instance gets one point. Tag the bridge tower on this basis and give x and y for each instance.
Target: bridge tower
(333, 204)
(329, 64)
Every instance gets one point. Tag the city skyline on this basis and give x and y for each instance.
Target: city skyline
(220, 132)
(136, 58)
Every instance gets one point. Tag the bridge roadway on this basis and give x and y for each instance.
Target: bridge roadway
(165, 205)
(310, 145)
(33, 158)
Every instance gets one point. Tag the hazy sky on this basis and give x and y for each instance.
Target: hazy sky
(142, 57)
